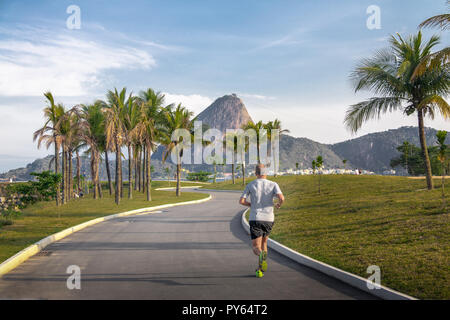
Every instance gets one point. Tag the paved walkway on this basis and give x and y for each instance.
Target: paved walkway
(188, 252)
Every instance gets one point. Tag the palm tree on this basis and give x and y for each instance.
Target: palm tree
(116, 131)
(391, 75)
(178, 118)
(269, 126)
(148, 129)
(49, 133)
(131, 120)
(344, 161)
(442, 21)
(73, 141)
(258, 128)
(231, 141)
(441, 136)
(65, 132)
(93, 133)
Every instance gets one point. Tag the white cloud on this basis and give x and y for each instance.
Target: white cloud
(193, 102)
(66, 65)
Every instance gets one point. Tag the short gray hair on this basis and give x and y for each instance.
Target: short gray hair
(260, 170)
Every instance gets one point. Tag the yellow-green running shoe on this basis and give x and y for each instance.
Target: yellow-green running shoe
(259, 273)
(262, 261)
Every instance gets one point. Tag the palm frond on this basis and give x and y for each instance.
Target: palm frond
(441, 21)
(359, 113)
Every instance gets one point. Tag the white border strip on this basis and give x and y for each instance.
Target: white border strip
(30, 251)
(347, 277)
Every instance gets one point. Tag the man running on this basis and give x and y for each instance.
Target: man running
(261, 192)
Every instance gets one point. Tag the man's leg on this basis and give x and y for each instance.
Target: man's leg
(256, 245)
(264, 243)
(264, 253)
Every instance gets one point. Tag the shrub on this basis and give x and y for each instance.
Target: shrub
(202, 176)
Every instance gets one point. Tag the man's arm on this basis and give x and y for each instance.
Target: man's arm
(280, 200)
(244, 202)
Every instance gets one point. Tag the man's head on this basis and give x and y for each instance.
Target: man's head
(261, 171)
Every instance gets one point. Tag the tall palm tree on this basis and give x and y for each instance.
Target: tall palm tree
(390, 75)
(92, 132)
(104, 148)
(64, 129)
(270, 127)
(178, 118)
(116, 131)
(258, 127)
(73, 141)
(231, 141)
(49, 133)
(131, 120)
(148, 129)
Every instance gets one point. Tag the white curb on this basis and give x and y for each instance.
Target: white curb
(172, 188)
(347, 277)
(26, 253)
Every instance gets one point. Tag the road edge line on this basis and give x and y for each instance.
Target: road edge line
(344, 276)
(23, 255)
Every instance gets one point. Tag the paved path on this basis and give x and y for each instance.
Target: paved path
(197, 251)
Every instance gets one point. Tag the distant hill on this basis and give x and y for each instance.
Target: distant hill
(374, 151)
(227, 112)
(304, 151)
(371, 152)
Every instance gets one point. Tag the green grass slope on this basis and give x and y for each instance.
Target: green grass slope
(358, 221)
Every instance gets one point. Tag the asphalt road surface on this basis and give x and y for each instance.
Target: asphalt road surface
(197, 251)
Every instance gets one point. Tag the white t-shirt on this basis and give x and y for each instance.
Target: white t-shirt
(261, 192)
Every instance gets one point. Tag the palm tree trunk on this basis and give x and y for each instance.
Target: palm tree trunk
(117, 191)
(108, 173)
(99, 183)
(139, 165)
(78, 172)
(178, 192)
(58, 186)
(94, 174)
(135, 157)
(144, 161)
(130, 174)
(120, 173)
(67, 177)
(423, 144)
(70, 175)
(257, 148)
(63, 171)
(232, 171)
(148, 173)
(243, 173)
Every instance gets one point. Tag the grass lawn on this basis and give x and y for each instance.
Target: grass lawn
(358, 221)
(42, 219)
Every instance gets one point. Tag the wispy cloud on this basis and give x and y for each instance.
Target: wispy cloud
(34, 61)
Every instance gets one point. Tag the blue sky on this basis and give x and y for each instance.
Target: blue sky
(285, 59)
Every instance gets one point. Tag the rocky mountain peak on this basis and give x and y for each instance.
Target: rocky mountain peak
(227, 112)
